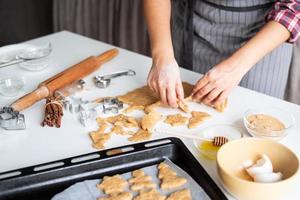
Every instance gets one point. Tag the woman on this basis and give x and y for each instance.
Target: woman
(230, 41)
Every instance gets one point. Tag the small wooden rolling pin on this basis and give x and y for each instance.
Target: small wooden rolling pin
(64, 78)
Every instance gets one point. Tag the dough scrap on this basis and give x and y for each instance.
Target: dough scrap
(119, 130)
(140, 135)
(99, 139)
(102, 125)
(114, 152)
(140, 181)
(197, 118)
(144, 96)
(114, 119)
(184, 194)
(119, 196)
(123, 120)
(176, 120)
(149, 120)
(112, 184)
(133, 108)
(150, 195)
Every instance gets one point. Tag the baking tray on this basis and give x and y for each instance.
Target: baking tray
(42, 182)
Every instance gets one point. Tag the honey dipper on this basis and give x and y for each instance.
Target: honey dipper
(217, 140)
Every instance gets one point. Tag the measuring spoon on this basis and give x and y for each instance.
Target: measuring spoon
(104, 81)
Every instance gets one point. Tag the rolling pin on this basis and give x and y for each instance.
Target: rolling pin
(64, 78)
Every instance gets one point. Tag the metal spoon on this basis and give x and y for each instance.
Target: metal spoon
(27, 55)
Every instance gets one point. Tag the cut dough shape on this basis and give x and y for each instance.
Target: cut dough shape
(222, 106)
(112, 184)
(197, 118)
(138, 173)
(152, 107)
(181, 195)
(150, 195)
(118, 196)
(176, 120)
(165, 170)
(140, 135)
(169, 178)
(140, 181)
(133, 108)
(149, 120)
(183, 106)
(172, 182)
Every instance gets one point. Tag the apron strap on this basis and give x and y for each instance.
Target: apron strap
(239, 9)
(186, 56)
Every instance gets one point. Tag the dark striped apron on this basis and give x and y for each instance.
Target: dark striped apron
(206, 32)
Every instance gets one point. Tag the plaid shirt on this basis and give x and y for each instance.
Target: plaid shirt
(287, 13)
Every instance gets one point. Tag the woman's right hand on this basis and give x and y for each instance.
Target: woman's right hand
(164, 79)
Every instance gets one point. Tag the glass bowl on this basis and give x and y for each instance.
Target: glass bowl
(35, 65)
(206, 148)
(12, 86)
(36, 58)
(270, 129)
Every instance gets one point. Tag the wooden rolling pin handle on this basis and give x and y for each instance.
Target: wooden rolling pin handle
(100, 59)
(107, 56)
(31, 98)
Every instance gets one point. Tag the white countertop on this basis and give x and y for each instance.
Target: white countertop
(37, 144)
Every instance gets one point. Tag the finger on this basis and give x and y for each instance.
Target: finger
(151, 86)
(162, 94)
(200, 84)
(150, 81)
(179, 91)
(222, 97)
(155, 87)
(203, 92)
(171, 96)
(212, 96)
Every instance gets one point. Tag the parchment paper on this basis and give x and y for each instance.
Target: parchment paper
(87, 190)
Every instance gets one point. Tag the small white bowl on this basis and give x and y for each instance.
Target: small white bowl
(12, 86)
(210, 152)
(283, 116)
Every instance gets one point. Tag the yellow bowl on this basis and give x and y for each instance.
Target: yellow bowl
(232, 155)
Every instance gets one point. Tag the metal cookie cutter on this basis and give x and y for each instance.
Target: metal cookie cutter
(112, 105)
(104, 81)
(11, 119)
(88, 112)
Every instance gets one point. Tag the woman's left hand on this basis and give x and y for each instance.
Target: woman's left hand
(215, 86)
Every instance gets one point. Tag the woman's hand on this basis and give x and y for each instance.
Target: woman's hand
(164, 79)
(215, 86)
